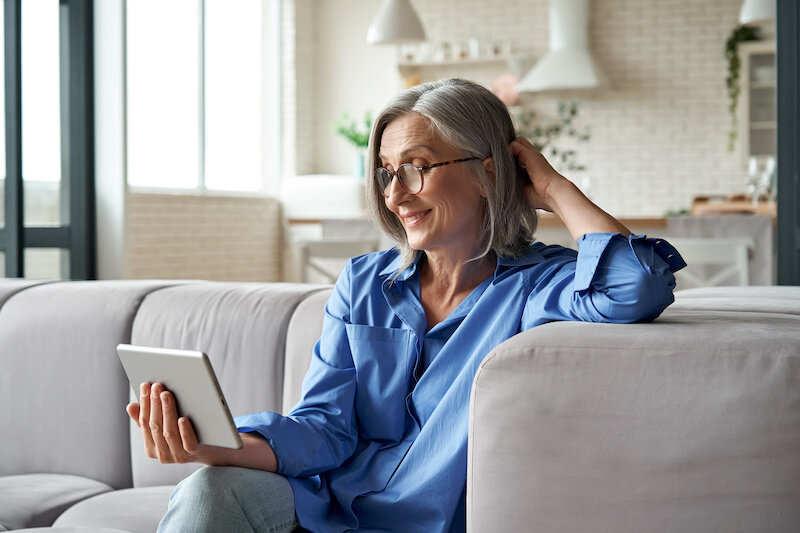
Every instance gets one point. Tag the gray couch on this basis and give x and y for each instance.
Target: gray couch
(691, 423)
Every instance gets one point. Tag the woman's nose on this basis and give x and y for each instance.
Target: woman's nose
(395, 193)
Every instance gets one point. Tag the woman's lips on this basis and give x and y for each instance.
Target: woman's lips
(414, 219)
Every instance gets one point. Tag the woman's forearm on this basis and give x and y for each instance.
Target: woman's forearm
(579, 214)
(256, 453)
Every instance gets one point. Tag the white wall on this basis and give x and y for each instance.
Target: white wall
(111, 188)
(350, 76)
(659, 135)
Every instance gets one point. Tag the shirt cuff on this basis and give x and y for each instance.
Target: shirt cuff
(590, 249)
(592, 246)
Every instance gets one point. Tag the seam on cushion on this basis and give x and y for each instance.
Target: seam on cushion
(27, 287)
(632, 350)
(686, 307)
(138, 305)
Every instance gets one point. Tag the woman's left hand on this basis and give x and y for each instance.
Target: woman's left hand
(550, 191)
(541, 174)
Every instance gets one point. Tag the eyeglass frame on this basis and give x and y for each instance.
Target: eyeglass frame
(422, 169)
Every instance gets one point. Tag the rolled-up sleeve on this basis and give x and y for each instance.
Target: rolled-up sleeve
(613, 279)
(320, 432)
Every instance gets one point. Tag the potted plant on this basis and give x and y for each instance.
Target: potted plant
(738, 35)
(357, 132)
(546, 136)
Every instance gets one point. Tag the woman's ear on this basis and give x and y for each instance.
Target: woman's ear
(488, 167)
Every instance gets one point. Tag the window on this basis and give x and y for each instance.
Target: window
(202, 94)
(47, 221)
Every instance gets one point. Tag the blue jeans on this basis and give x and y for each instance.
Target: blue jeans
(231, 499)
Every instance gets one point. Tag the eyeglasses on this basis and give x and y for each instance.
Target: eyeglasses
(410, 176)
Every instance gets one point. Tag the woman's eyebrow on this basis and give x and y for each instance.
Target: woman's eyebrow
(412, 150)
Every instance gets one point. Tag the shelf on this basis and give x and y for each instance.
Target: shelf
(454, 62)
(513, 62)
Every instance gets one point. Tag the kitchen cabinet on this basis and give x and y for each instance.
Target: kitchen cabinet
(757, 100)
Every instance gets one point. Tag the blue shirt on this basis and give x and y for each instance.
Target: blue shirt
(376, 444)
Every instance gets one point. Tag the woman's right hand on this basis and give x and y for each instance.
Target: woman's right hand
(166, 437)
(173, 440)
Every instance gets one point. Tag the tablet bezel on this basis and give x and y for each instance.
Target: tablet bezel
(189, 376)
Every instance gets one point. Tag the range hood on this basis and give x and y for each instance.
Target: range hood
(569, 63)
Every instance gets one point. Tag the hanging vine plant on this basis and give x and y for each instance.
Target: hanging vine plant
(738, 35)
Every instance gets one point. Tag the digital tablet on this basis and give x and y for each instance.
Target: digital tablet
(188, 375)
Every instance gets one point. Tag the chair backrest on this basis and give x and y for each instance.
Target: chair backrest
(714, 262)
(327, 257)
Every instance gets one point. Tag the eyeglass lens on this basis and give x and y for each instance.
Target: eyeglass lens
(409, 176)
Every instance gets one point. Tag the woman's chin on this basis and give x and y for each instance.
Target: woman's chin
(415, 242)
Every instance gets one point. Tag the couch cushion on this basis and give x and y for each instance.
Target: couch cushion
(303, 333)
(62, 387)
(31, 500)
(242, 328)
(770, 299)
(11, 286)
(134, 510)
(691, 423)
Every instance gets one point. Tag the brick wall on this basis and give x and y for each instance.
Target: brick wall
(299, 101)
(658, 135)
(204, 237)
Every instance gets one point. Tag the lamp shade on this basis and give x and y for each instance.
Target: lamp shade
(753, 11)
(396, 22)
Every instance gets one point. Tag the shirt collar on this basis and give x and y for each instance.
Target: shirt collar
(531, 256)
(392, 267)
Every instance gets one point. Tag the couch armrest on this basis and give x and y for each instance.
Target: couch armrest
(691, 423)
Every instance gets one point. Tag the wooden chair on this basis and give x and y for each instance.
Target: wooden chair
(714, 262)
(327, 257)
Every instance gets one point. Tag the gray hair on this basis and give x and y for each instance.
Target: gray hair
(471, 119)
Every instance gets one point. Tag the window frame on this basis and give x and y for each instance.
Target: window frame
(76, 74)
(788, 111)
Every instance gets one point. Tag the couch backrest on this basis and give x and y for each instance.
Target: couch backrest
(690, 423)
(11, 286)
(62, 389)
(241, 326)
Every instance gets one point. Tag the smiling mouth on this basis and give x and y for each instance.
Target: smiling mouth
(415, 219)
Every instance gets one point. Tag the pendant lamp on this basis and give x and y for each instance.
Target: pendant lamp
(756, 11)
(395, 23)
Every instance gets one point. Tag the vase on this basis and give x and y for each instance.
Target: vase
(358, 163)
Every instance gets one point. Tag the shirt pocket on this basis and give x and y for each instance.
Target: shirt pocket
(384, 361)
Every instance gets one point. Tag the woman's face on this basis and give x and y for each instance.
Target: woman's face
(446, 216)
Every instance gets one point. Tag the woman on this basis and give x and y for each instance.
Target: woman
(379, 440)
